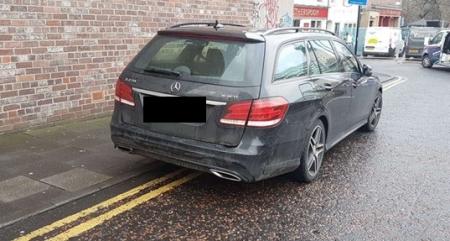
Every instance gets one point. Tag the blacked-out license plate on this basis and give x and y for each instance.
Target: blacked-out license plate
(174, 109)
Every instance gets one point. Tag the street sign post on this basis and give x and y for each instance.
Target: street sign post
(359, 3)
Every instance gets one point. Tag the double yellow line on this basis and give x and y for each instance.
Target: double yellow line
(97, 220)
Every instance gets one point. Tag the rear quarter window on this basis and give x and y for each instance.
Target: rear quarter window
(292, 61)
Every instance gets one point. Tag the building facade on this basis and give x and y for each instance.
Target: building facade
(60, 59)
(311, 13)
(382, 13)
(273, 13)
(334, 15)
(343, 19)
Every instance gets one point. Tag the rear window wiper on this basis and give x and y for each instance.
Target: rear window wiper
(162, 71)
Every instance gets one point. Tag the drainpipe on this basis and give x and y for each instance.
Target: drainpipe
(358, 24)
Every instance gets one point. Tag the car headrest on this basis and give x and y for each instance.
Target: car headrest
(215, 62)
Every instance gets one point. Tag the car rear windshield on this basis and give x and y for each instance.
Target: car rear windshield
(229, 63)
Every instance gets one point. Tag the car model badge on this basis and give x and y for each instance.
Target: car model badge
(175, 87)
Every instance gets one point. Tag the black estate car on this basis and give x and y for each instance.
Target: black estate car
(274, 101)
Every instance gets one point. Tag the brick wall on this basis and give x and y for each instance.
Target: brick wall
(59, 59)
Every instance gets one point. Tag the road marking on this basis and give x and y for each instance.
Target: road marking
(86, 226)
(393, 84)
(95, 208)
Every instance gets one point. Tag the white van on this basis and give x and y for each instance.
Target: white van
(383, 41)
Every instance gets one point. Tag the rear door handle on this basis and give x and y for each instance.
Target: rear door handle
(328, 86)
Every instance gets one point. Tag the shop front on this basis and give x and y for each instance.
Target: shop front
(389, 17)
(310, 16)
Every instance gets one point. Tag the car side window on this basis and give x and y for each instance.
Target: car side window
(437, 39)
(326, 57)
(348, 61)
(313, 64)
(292, 61)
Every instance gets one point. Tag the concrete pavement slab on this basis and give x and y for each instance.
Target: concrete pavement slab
(75, 179)
(28, 205)
(75, 159)
(19, 187)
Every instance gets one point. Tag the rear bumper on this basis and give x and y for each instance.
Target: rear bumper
(246, 163)
(379, 51)
(415, 54)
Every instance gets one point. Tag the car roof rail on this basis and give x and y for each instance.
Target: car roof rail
(297, 30)
(215, 24)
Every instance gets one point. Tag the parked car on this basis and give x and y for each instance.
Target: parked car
(275, 100)
(416, 38)
(383, 41)
(437, 52)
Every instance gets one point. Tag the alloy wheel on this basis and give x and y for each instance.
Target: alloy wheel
(316, 150)
(376, 112)
(426, 62)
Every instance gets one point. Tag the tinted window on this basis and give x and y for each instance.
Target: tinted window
(437, 39)
(292, 61)
(203, 60)
(325, 56)
(313, 65)
(348, 61)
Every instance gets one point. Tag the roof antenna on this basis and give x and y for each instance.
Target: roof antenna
(217, 25)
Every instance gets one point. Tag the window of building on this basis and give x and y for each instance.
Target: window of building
(316, 24)
(337, 28)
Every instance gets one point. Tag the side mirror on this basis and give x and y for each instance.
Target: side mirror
(367, 70)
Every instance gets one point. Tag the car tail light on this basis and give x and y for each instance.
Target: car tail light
(237, 113)
(124, 93)
(258, 113)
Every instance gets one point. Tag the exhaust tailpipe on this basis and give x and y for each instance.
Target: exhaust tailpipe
(226, 175)
(125, 149)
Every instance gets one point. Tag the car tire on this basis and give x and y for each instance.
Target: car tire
(391, 52)
(375, 114)
(426, 62)
(312, 154)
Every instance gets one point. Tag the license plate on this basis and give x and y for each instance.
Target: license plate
(413, 51)
(174, 109)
